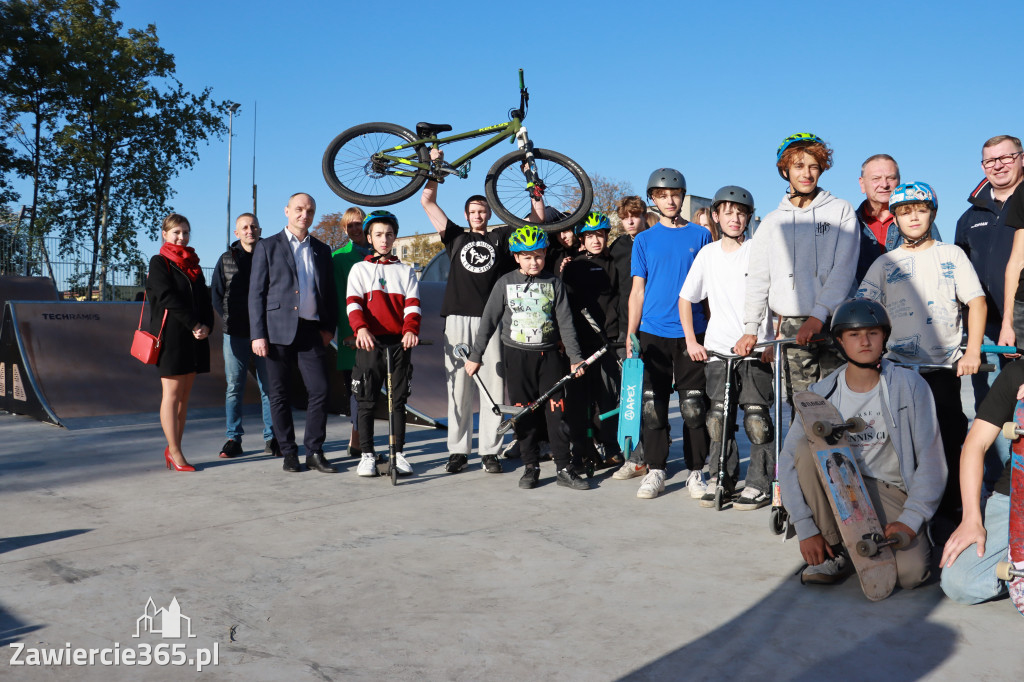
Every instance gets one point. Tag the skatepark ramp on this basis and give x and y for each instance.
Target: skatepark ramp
(14, 288)
(62, 361)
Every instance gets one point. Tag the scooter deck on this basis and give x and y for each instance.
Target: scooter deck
(630, 395)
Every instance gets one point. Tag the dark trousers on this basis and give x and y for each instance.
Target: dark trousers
(945, 385)
(752, 384)
(665, 359)
(529, 374)
(590, 395)
(370, 375)
(309, 353)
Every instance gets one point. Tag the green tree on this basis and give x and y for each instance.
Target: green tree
(422, 248)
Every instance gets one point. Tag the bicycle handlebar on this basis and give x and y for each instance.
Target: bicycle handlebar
(522, 84)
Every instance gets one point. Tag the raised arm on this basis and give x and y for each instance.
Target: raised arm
(428, 199)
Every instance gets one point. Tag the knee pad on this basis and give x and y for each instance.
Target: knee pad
(694, 408)
(757, 421)
(716, 421)
(655, 412)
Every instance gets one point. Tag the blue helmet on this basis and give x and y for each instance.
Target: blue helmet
(797, 138)
(527, 238)
(380, 216)
(912, 193)
(595, 221)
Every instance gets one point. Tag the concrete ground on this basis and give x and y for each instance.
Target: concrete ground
(444, 577)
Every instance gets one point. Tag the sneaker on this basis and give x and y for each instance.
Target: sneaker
(652, 485)
(830, 571)
(696, 484)
(707, 500)
(569, 479)
(270, 447)
(531, 476)
(511, 451)
(367, 465)
(490, 464)
(455, 463)
(751, 499)
(630, 470)
(233, 448)
(402, 464)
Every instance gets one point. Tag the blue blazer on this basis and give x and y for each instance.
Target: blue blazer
(274, 289)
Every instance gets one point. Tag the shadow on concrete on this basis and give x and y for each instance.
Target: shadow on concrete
(12, 629)
(794, 634)
(11, 544)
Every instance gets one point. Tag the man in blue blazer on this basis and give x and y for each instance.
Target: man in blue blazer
(293, 314)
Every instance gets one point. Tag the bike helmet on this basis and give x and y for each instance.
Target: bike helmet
(527, 238)
(736, 195)
(912, 193)
(797, 139)
(666, 178)
(860, 313)
(382, 216)
(595, 221)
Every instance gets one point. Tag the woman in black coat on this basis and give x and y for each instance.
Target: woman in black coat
(180, 302)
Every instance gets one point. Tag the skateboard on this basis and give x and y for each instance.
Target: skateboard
(861, 531)
(1012, 570)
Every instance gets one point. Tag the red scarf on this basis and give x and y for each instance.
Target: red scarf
(184, 257)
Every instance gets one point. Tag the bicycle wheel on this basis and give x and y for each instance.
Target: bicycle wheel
(567, 189)
(352, 173)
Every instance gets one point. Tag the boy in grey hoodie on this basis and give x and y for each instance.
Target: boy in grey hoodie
(899, 454)
(803, 258)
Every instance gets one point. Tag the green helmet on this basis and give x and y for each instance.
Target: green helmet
(595, 221)
(527, 238)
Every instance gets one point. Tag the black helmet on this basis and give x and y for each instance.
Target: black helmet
(736, 195)
(666, 178)
(860, 313)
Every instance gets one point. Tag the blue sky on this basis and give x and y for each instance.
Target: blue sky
(622, 88)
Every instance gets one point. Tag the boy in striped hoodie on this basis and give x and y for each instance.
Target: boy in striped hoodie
(383, 304)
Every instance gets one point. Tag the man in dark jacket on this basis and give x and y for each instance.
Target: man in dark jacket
(230, 295)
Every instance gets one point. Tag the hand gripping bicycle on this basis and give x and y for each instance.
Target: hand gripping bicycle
(379, 164)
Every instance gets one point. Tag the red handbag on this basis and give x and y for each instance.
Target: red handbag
(145, 346)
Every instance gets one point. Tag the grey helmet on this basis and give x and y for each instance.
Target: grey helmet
(666, 178)
(736, 195)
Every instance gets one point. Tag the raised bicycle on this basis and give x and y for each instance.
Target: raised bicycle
(379, 164)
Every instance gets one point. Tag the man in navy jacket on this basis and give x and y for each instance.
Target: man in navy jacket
(293, 314)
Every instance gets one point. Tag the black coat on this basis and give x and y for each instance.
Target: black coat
(187, 304)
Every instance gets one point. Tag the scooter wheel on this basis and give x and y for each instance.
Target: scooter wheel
(719, 491)
(394, 474)
(777, 521)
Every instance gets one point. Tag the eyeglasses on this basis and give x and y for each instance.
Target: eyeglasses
(1005, 159)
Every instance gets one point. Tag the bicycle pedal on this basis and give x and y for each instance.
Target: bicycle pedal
(463, 170)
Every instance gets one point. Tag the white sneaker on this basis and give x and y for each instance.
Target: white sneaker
(751, 499)
(367, 465)
(403, 466)
(696, 484)
(830, 571)
(629, 470)
(652, 485)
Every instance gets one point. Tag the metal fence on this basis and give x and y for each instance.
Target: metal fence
(68, 267)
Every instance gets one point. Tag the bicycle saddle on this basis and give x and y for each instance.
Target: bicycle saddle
(431, 129)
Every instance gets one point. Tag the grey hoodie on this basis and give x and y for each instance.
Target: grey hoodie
(914, 430)
(802, 260)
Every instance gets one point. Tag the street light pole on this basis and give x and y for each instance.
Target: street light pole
(231, 120)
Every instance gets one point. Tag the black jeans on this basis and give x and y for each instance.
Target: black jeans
(530, 373)
(945, 385)
(370, 375)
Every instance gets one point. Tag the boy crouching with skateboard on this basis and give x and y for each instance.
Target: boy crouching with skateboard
(899, 454)
(534, 314)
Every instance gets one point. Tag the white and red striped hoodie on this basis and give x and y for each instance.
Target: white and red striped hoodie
(383, 295)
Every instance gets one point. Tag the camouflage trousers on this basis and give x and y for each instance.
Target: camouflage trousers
(806, 364)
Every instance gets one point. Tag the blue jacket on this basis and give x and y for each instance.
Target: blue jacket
(986, 239)
(274, 290)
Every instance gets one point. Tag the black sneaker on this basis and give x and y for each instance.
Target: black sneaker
(270, 447)
(531, 476)
(490, 464)
(568, 479)
(233, 448)
(455, 463)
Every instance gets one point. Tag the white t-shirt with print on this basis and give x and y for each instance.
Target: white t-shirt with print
(872, 448)
(922, 292)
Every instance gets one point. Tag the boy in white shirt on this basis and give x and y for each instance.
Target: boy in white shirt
(718, 274)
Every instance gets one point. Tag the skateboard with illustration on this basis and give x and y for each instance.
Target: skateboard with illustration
(1012, 570)
(870, 551)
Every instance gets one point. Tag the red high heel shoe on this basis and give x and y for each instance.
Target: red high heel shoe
(171, 463)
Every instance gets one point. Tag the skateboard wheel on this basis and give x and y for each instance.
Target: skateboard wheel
(855, 425)
(867, 548)
(777, 521)
(1010, 431)
(902, 540)
(1003, 571)
(821, 429)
